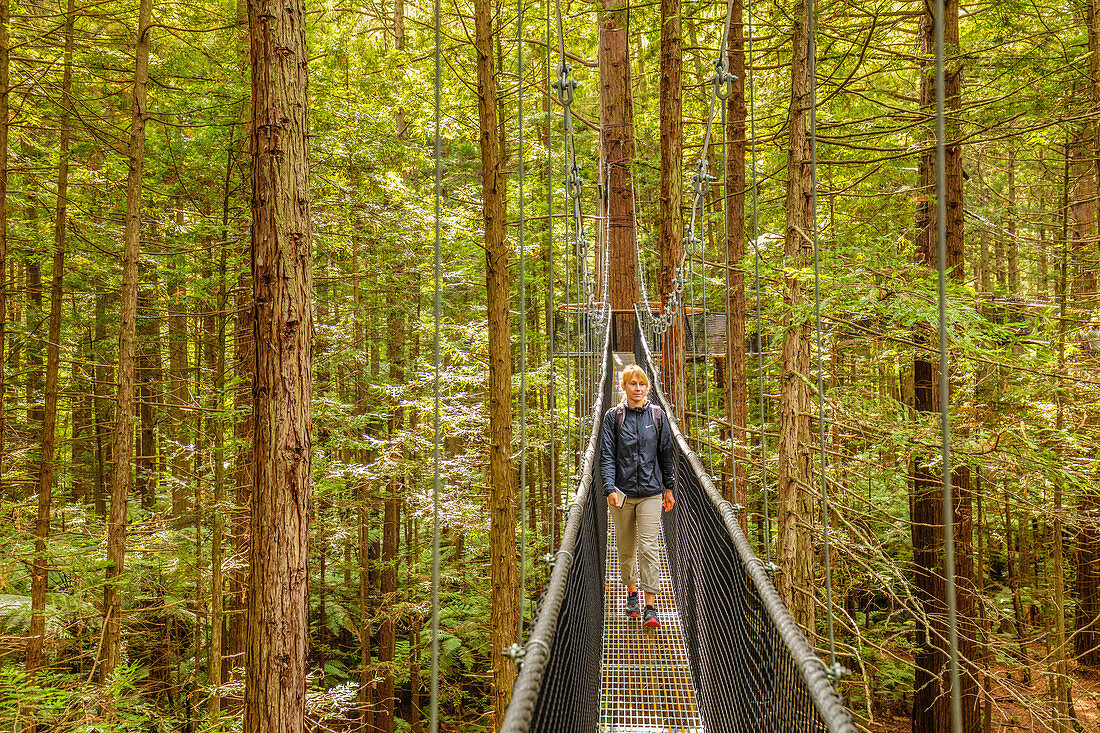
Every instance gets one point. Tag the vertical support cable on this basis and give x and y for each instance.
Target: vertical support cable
(945, 392)
(550, 318)
(759, 320)
(812, 43)
(522, 336)
(434, 688)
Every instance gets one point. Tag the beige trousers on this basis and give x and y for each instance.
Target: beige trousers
(637, 532)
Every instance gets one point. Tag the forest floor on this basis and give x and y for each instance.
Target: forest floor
(1020, 705)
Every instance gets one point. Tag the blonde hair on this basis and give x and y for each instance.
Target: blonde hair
(629, 372)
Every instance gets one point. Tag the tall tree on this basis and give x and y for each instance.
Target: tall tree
(46, 468)
(123, 440)
(734, 193)
(670, 242)
(502, 480)
(794, 547)
(5, 91)
(617, 151)
(931, 682)
(282, 281)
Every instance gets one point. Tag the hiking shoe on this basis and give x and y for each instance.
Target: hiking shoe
(632, 610)
(651, 620)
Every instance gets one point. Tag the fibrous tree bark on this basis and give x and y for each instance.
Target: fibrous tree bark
(502, 480)
(123, 441)
(794, 547)
(282, 281)
(736, 386)
(670, 242)
(244, 363)
(617, 146)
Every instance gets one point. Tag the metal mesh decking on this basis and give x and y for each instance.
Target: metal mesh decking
(645, 678)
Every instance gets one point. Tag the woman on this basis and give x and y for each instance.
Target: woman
(638, 470)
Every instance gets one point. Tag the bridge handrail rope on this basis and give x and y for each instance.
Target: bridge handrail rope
(533, 658)
(811, 668)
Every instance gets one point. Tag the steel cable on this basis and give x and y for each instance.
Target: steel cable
(945, 390)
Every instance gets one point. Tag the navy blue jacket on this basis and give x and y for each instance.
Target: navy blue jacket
(635, 458)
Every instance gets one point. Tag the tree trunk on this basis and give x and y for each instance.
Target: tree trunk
(282, 265)
(123, 441)
(1013, 243)
(36, 636)
(242, 433)
(33, 319)
(670, 242)
(794, 541)
(737, 387)
(217, 581)
(387, 628)
(1059, 667)
(5, 91)
(180, 389)
(931, 697)
(502, 481)
(148, 377)
(617, 144)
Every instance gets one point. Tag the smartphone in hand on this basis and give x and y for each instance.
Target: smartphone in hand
(620, 497)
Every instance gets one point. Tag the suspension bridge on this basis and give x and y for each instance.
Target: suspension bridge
(729, 656)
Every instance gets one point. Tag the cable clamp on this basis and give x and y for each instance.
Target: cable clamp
(836, 671)
(539, 642)
(563, 552)
(515, 653)
(735, 508)
(768, 567)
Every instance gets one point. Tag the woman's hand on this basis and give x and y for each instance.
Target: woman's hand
(669, 500)
(613, 500)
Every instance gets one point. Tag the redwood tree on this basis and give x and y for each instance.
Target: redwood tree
(794, 547)
(734, 194)
(123, 441)
(931, 683)
(670, 242)
(282, 281)
(502, 481)
(617, 143)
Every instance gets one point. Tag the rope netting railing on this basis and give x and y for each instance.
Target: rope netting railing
(752, 666)
(558, 683)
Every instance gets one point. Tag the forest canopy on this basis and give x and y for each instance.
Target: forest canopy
(130, 314)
